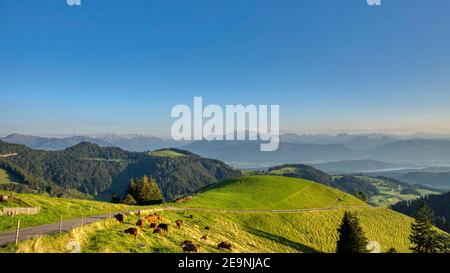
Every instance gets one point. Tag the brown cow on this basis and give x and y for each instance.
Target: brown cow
(153, 225)
(191, 248)
(224, 245)
(160, 218)
(132, 231)
(151, 218)
(179, 223)
(140, 223)
(120, 217)
(185, 242)
(204, 238)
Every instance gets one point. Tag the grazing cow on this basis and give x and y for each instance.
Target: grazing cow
(191, 248)
(186, 242)
(120, 217)
(152, 218)
(159, 217)
(224, 245)
(204, 238)
(140, 223)
(207, 228)
(132, 231)
(179, 223)
(159, 231)
(191, 216)
(153, 225)
(164, 227)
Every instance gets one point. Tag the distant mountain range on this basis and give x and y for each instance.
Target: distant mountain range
(346, 152)
(137, 143)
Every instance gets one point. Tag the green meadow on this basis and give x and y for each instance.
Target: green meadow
(308, 231)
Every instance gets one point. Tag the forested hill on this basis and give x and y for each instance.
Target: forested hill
(439, 204)
(94, 170)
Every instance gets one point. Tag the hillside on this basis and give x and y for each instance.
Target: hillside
(271, 192)
(52, 208)
(97, 171)
(349, 184)
(249, 152)
(413, 150)
(439, 204)
(312, 230)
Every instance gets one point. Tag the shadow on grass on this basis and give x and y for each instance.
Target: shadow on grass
(281, 240)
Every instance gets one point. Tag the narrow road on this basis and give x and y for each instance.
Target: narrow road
(33, 232)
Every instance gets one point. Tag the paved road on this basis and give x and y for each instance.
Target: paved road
(33, 232)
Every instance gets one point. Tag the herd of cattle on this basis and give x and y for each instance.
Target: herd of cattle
(155, 221)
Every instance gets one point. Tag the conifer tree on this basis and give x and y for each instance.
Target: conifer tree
(351, 235)
(424, 237)
(129, 200)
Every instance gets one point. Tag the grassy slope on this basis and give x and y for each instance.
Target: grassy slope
(248, 232)
(390, 194)
(7, 177)
(271, 192)
(53, 208)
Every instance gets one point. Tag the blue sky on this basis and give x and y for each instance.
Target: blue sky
(120, 66)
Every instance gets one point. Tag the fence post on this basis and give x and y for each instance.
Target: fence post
(17, 231)
(60, 224)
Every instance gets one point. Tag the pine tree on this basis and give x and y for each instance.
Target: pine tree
(145, 191)
(351, 235)
(424, 237)
(129, 200)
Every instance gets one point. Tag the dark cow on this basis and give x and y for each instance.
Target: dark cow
(191, 216)
(140, 223)
(186, 242)
(191, 248)
(132, 231)
(153, 225)
(207, 228)
(120, 217)
(224, 245)
(159, 231)
(179, 223)
(164, 227)
(204, 238)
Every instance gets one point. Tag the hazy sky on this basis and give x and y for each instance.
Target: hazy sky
(120, 66)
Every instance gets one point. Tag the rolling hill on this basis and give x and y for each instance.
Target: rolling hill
(252, 230)
(271, 192)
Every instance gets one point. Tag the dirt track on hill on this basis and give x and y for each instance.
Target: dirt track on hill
(67, 225)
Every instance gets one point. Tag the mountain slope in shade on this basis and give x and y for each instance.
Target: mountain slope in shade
(354, 166)
(418, 150)
(94, 170)
(249, 151)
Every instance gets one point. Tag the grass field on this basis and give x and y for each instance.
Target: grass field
(391, 194)
(166, 153)
(52, 208)
(271, 192)
(310, 231)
